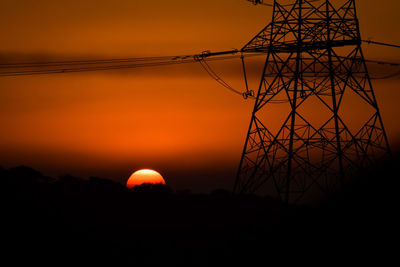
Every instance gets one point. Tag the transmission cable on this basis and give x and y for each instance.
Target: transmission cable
(81, 62)
(71, 66)
(35, 68)
(264, 3)
(381, 43)
(216, 77)
(387, 76)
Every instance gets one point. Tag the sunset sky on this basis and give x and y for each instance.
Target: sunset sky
(176, 120)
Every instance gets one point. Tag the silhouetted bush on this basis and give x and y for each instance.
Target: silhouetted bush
(148, 188)
(101, 221)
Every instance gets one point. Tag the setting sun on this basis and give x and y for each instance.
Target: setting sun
(144, 176)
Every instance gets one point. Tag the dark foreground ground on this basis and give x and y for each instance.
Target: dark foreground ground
(76, 222)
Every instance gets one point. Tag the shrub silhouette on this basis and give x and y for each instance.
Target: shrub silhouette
(102, 221)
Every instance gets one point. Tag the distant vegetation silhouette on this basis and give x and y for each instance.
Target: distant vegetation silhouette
(70, 220)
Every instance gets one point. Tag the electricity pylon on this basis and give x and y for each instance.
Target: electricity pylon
(316, 120)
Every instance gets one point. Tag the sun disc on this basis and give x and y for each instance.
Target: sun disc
(144, 176)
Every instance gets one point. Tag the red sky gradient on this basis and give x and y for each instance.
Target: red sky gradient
(175, 120)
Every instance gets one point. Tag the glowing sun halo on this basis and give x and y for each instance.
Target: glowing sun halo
(144, 176)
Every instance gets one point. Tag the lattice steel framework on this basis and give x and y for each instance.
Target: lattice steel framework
(328, 125)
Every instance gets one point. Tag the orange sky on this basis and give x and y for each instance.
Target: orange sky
(175, 120)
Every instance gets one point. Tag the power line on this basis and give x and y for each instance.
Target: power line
(16, 69)
(216, 77)
(74, 66)
(265, 3)
(381, 43)
(31, 68)
(382, 62)
(386, 76)
(84, 62)
(53, 67)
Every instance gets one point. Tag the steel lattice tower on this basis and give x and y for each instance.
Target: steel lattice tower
(329, 124)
